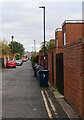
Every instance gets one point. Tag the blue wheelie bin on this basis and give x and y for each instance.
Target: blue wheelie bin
(43, 78)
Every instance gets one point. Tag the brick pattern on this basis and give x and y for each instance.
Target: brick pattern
(50, 65)
(73, 32)
(58, 35)
(73, 57)
(49, 53)
(82, 79)
(41, 53)
(54, 66)
(74, 75)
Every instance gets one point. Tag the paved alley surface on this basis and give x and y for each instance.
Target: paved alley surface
(22, 96)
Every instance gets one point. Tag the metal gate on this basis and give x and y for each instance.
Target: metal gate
(59, 73)
(52, 70)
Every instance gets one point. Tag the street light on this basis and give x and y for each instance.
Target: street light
(34, 46)
(12, 45)
(44, 30)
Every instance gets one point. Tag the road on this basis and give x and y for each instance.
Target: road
(22, 97)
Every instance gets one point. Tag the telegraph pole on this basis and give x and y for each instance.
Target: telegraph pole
(35, 46)
(12, 45)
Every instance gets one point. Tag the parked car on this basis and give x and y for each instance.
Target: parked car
(11, 64)
(21, 61)
(18, 62)
(24, 60)
(27, 59)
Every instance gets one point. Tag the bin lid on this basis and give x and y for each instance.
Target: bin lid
(43, 70)
(35, 64)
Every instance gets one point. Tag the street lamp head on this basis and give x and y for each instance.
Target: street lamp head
(42, 7)
(12, 36)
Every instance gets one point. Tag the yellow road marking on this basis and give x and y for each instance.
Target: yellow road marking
(52, 105)
(46, 105)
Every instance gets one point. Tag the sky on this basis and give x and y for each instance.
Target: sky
(24, 19)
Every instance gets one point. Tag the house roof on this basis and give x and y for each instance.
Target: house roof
(58, 29)
(72, 21)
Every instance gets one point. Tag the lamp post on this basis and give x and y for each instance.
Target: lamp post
(12, 45)
(43, 7)
(35, 46)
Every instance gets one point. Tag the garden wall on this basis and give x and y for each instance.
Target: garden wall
(74, 75)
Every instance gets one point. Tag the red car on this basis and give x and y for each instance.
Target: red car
(11, 64)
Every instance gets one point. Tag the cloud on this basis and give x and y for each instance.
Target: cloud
(24, 20)
(37, 1)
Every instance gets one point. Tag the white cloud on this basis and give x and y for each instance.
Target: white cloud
(24, 20)
(36, 1)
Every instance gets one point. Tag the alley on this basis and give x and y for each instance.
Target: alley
(22, 96)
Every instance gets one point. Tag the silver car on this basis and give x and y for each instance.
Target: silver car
(18, 62)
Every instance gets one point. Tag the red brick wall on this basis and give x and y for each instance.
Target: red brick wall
(55, 51)
(73, 32)
(83, 31)
(74, 75)
(83, 78)
(50, 65)
(54, 66)
(58, 35)
(41, 53)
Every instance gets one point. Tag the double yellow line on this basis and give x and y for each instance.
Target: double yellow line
(46, 104)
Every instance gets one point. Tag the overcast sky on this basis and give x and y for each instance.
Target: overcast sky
(24, 20)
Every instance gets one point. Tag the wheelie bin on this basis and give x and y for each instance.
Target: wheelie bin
(35, 65)
(43, 78)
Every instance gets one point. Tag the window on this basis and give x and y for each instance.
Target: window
(56, 42)
(64, 38)
(10, 61)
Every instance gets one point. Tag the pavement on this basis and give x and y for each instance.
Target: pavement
(71, 113)
(22, 97)
(0, 93)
